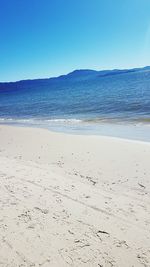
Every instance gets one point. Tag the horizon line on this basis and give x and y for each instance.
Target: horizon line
(65, 74)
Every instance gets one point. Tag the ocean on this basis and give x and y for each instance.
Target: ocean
(113, 103)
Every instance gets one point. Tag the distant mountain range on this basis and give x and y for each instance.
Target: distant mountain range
(73, 77)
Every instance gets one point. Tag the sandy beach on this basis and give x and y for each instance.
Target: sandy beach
(71, 200)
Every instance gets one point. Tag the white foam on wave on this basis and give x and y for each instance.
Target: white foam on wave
(40, 121)
(65, 120)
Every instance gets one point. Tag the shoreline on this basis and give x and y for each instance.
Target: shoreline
(78, 200)
(126, 132)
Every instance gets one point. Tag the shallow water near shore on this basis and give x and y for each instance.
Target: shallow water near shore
(129, 131)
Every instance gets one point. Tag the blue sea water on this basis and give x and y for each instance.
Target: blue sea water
(85, 101)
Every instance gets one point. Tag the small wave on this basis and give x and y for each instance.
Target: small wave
(15, 120)
(40, 121)
(5, 119)
(64, 120)
(118, 120)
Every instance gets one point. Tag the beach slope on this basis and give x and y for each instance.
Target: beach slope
(70, 200)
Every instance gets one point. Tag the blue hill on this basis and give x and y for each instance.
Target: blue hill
(76, 75)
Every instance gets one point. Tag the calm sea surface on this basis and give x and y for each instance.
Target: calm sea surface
(115, 105)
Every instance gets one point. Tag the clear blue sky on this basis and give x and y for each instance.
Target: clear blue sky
(45, 38)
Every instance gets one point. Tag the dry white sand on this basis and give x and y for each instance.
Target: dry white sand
(70, 200)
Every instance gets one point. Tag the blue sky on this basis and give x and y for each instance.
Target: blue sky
(45, 38)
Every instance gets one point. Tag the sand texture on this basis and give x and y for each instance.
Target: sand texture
(69, 200)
